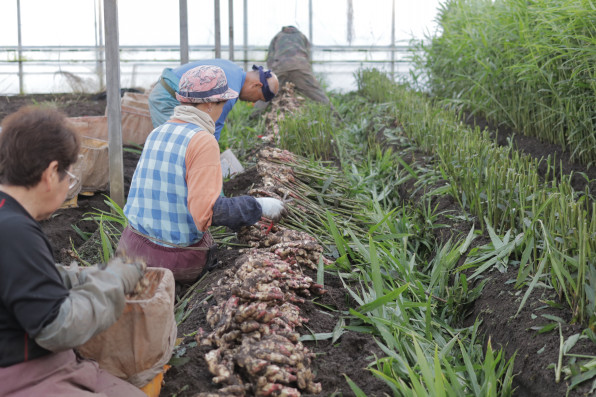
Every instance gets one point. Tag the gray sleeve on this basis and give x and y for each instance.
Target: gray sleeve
(69, 274)
(235, 212)
(91, 307)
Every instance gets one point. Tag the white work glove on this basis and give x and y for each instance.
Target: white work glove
(272, 208)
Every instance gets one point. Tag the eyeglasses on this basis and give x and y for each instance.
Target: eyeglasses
(73, 180)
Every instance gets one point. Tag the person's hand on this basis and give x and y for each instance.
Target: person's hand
(272, 208)
(129, 272)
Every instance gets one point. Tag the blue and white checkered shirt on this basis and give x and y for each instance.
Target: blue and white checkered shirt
(158, 196)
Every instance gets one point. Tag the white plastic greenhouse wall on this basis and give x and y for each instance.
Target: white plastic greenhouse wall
(57, 46)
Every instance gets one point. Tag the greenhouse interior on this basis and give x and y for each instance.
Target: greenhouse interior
(298, 198)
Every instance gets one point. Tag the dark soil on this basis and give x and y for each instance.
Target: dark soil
(499, 301)
(352, 352)
(582, 176)
(497, 305)
(73, 105)
(347, 356)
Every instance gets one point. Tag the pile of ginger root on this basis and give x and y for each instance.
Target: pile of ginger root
(256, 349)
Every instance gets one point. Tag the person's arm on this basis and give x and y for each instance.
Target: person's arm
(219, 124)
(91, 306)
(71, 275)
(33, 291)
(246, 210)
(235, 212)
(203, 178)
(204, 181)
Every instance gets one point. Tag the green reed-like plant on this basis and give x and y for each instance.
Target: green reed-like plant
(110, 222)
(400, 302)
(241, 130)
(502, 186)
(310, 132)
(530, 65)
(386, 258)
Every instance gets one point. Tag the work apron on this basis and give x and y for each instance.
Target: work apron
(187, 263)
(62, 375)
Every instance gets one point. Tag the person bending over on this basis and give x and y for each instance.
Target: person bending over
(289, 56)
(175, 191)
(255, 85)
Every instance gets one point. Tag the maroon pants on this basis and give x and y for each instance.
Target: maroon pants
(62, 375)
(186, 264)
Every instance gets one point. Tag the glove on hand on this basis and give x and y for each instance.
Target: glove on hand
(129, 273)
(272, 208)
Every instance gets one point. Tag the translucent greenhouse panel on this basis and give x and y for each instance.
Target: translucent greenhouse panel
(346, 35)
(8, 24)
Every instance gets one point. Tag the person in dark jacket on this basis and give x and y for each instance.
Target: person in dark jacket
(46, 310)
(175, 192)
(289, 57)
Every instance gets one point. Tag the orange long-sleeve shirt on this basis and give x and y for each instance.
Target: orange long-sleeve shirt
(203, 178)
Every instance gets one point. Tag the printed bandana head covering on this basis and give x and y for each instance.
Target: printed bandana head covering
(205, 83)
(263, 76)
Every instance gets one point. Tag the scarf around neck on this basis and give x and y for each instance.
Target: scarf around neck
(190, 114)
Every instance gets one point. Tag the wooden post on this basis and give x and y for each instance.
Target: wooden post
(114, 110)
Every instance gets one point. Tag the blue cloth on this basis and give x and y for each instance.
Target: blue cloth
(263, 76)
(158, 196)
(235, 212)
(162, 104)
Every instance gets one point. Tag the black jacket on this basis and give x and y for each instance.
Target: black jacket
(31, 289)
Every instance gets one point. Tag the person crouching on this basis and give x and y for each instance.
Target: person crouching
(175, 192)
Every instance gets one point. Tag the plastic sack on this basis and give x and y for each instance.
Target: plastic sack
(230, 164)
(136, 119)
(91, 126)
(141, 342)
(94, 159)
(95, 170)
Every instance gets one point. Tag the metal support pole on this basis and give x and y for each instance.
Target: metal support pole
(217, 31)
(245, 34)
(20, 50)
(231, 23)
(99, 54)
(393, 42)
(183, 32)
(310, 21)
(114, 110)
(350, 22)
